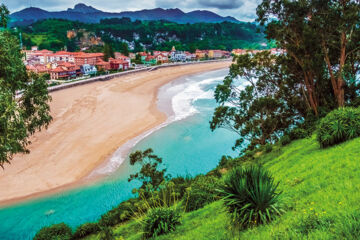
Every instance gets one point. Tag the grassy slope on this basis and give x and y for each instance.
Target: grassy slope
(321, 191)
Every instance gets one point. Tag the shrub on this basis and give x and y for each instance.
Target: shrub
(119, 214)
(160, 221)
(54, 232)
(85, 230)
(107, 234)
(339, 126)
(285, 140)
(268, 148)
(250, 196)
(202, 192)
(298, 133)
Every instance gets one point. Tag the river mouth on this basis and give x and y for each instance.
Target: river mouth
(184, 141)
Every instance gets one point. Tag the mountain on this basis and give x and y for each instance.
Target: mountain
(89, 14)
(82, 8)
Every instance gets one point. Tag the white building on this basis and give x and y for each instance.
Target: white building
(178, 56)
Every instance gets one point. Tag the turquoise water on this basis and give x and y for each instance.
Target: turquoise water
(185, 143)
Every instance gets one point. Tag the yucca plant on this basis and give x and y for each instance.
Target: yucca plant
(160, 221)
(250, 196)
(339, 126)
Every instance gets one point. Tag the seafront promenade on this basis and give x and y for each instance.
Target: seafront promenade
(133, 71)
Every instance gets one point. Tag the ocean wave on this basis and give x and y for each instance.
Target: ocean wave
(183, 102)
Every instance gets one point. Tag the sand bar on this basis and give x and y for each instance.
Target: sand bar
(90, 122)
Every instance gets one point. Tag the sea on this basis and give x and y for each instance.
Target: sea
(185, 143)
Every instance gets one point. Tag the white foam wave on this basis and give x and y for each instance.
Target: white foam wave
(183, 102)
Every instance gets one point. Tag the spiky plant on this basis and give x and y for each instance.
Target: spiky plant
(250, 196)
(160, 221)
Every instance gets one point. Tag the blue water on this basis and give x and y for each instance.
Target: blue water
(186, 144)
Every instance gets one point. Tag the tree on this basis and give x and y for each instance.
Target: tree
(125, 49)
(320, 37)
(337, 24)
(108, 51)
(71, 45)
(149, 174)
(260, 112)
(24, 99)
(4, 16)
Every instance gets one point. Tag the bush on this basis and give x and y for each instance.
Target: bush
(268, 148)
(160, 221)
(202, 192)
(85, 230)
(54, 232)
(285, 140)
(107, 234)
(339, 126)
(250, 196)
(298, 133)
(119, 214)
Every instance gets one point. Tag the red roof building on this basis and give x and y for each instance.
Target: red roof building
(161, 58)
(102, 65)
(118, 64)
(65, 70)
(38, 68)
(82, 58)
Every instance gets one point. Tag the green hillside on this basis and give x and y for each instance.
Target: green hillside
(153, 35)
(321, 191)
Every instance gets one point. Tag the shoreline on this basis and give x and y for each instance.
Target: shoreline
(133, 90)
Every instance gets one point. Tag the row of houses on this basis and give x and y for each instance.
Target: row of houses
(180, 56)
(275, 51)
(67, 65)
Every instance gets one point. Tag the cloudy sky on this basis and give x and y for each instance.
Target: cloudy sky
(243, 10)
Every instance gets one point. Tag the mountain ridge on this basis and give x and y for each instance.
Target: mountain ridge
(88, 14)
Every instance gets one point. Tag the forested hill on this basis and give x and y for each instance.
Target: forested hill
(88, 14)
(152, 35)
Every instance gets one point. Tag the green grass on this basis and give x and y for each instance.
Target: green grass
(321, 192)
(38, 39)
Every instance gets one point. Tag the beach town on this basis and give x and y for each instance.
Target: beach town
(63, 65)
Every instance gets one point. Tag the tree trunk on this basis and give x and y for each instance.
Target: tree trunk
(341, 82)
(310, 88)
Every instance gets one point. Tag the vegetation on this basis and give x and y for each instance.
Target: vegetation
(316, 73)
(202, 191)
(152, 35)
(250, 196)
(108, 52)
(319, 193)
(160, 221)
(339, 126)
(85, 230)
(274, 102)
(265, 108)
(149, 173)
(323, 46)
(54, 232)
(24, 98)
(4, 16)
(107, 234)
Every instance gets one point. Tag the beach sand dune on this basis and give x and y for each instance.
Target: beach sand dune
(90, 122)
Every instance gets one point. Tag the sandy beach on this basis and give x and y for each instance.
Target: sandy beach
(90, 122)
